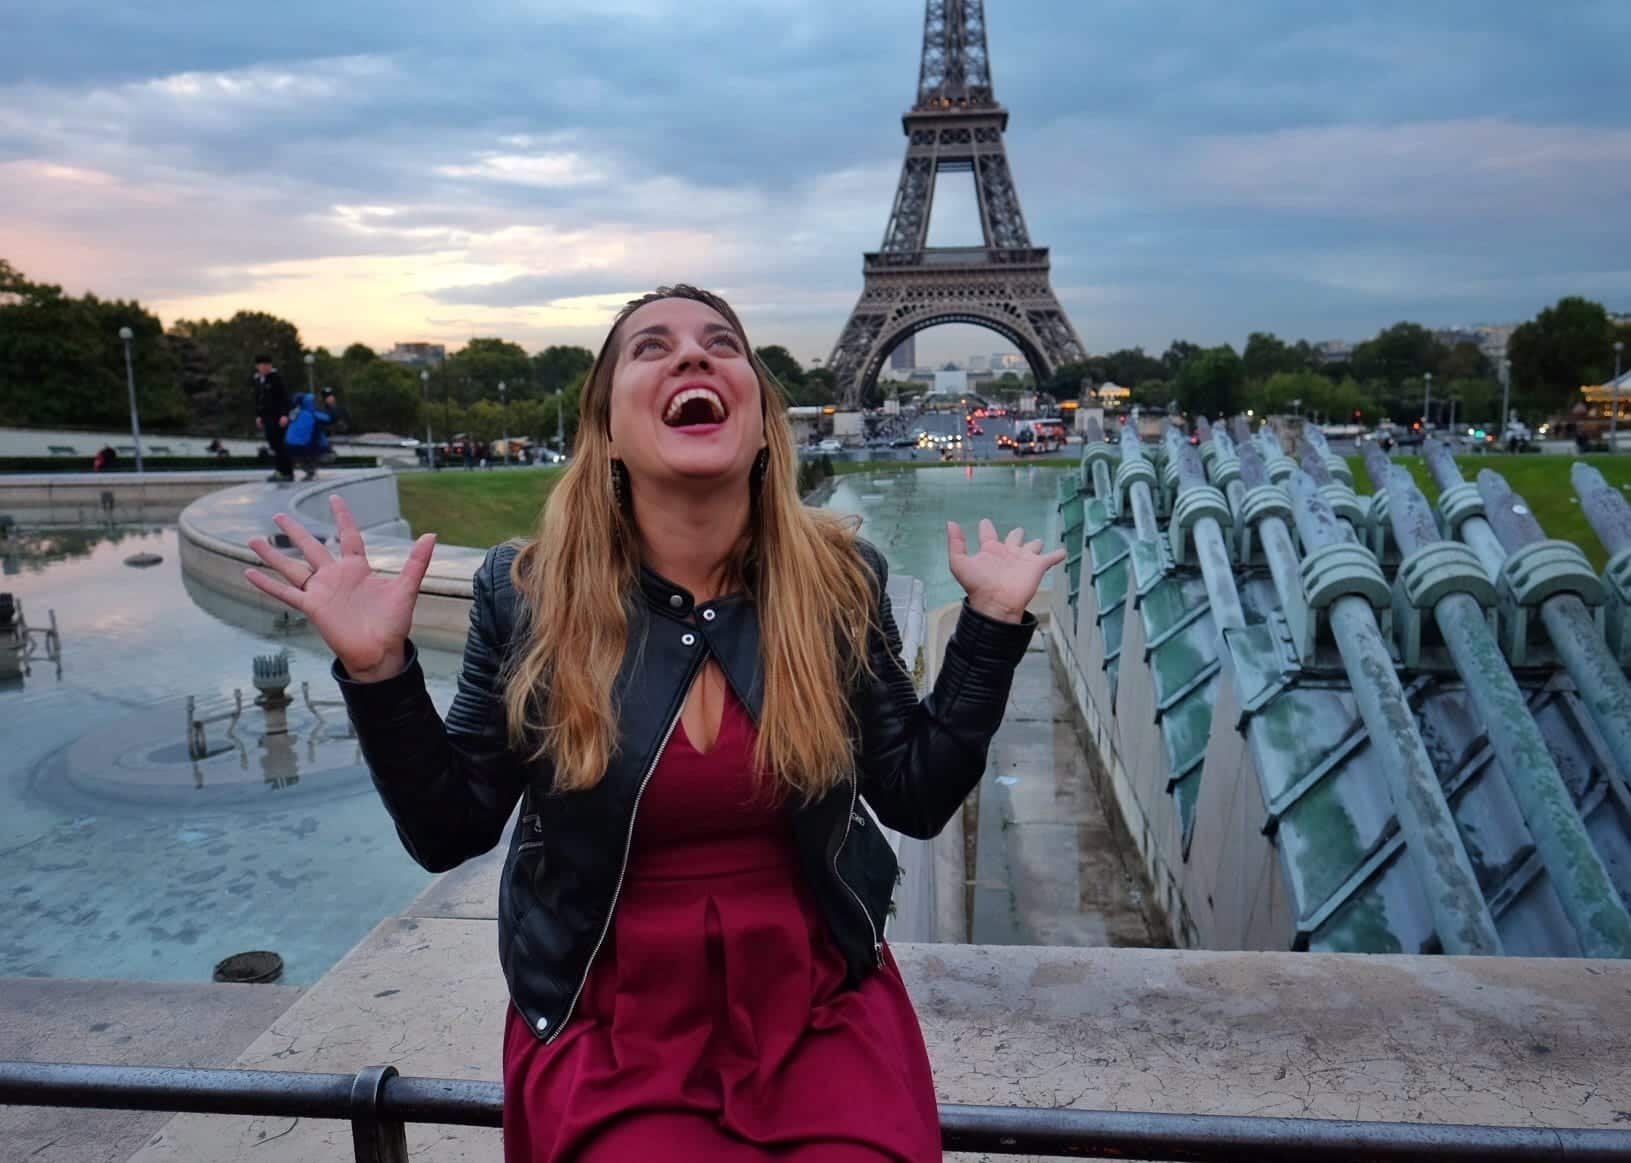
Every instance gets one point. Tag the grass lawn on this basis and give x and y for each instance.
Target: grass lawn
(479, 508)
(482, 508)
(1541, 480)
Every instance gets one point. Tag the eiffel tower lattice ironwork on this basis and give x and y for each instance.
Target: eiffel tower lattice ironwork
(956, 125)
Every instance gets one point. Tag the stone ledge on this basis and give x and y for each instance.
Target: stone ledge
(1505, 1041)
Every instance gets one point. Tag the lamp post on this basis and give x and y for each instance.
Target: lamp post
(504, 406)
(1614, 416)
(311, 365)
(126, 334)
(424, 390)
(1506, 395)
(1427, 403)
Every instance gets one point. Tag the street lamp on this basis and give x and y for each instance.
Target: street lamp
(424, 390)
(504, 406)
(1506, 393)
(127, 335)
(1614, 416)
(1427, 403)
(311, 364)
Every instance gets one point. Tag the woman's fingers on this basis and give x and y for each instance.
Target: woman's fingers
(988, 532)
(1034, 546)
(956, 543)
(290, 569)
(277, 588)
(310, 548)
(346, 524)
(413, 569)
(1015, 538)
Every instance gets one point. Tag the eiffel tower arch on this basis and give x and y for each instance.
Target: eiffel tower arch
(1004, 285)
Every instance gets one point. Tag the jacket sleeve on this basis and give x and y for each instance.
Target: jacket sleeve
(920, 759)
(449, 786)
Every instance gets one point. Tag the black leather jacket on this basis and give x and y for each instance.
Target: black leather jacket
(451, 788)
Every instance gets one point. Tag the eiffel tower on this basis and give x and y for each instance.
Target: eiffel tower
(956, 126)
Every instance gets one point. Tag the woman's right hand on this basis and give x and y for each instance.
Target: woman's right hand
(364, 617)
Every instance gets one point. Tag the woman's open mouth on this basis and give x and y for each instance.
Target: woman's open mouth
(695, 406)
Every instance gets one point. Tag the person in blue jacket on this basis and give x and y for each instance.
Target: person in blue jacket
(304, 436)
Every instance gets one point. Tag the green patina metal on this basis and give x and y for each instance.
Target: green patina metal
(1353, 881)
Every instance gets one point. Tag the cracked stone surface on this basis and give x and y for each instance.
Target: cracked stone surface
(1510, 1041)
(127, 1023)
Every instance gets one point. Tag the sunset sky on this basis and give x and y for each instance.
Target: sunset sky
(383, 172)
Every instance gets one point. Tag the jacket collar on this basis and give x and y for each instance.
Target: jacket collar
(675, 600)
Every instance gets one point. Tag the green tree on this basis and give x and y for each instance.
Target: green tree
(476, 370)
(1151, 394)
(1068, 378)
(62, 361)
(224, 351)
(1209, 384)
(1402, 352)
(554, 368)
(1478, 401)
(819, 387)
(1180, 352)
(359, 353)
(1285, 392)
(1464, 361)
(780, 363)
(1266, 354)
(1568, 344)
(381, 396)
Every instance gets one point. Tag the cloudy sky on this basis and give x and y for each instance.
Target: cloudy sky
(385, 171)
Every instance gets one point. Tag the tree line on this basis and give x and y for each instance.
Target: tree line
(1566, 345)
(62, 364)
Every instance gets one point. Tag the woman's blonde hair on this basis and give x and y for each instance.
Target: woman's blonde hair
(814, 595)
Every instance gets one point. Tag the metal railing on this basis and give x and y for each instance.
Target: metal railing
(379, 1103)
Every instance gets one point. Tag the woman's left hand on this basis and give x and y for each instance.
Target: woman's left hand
(1002, 577)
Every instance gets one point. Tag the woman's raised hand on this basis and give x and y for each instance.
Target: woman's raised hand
(364, 617)
(1002, 576)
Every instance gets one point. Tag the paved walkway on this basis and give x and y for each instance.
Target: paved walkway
(1051, 869)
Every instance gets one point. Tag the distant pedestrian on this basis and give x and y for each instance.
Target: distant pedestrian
(104, 458)
(272, 414)
(304, 439)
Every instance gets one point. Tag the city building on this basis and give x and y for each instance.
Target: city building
(417, 354)
(1333, 351)
(904, 357)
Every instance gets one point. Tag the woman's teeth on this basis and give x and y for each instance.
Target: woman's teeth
(694, 406)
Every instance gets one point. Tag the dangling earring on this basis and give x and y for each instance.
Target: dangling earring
(756, 475)
(620, 484)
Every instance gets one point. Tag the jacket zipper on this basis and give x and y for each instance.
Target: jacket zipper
(877, 945)
(628, 844)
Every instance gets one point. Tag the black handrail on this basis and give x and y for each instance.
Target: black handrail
(379, 1103)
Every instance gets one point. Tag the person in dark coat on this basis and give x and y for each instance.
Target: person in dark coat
(272, 414)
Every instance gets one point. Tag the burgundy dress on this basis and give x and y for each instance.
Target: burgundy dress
(716, 1024)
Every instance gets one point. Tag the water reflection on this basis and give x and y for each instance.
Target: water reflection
(123, 854)
(35, 549)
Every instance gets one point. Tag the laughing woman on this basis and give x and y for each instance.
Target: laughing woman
(691, 684)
